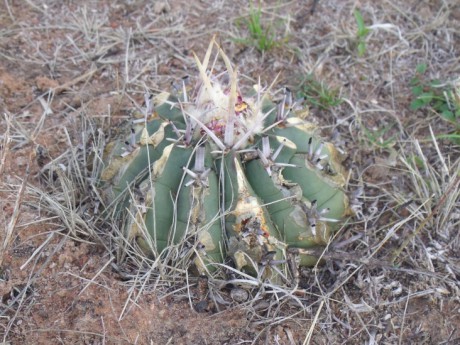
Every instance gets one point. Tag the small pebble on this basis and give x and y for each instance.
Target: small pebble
(239, 295)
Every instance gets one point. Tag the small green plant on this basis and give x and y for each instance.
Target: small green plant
(261, 36)
(361, 34)
(318, 93)
(443, 99)
(379, 137)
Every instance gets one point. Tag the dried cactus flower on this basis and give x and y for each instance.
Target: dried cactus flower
(213, 173)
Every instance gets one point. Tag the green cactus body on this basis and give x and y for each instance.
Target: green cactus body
(225, 175)
(249, 226)
(162, 191)
(320, 187)
(285, 211)
(125, 168)
(198, 213)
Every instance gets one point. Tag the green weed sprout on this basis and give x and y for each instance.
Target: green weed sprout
(361, 34)
(261, 36)
(443, 99)
(318, 94)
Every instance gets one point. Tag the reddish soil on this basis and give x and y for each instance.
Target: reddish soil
(68, 292)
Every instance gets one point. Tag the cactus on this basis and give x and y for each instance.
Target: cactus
(230, 175)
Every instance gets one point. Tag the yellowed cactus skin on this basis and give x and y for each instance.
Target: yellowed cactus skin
(220, 174)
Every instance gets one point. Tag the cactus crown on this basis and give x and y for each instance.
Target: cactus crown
(219, 174)
(217, 107)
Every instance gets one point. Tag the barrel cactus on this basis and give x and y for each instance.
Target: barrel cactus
(209, 173)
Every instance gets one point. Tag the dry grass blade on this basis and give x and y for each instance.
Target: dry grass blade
(441, 203)
(65, 208)
(430, 182)
(15, 216)
(313, 324)
(5, 146)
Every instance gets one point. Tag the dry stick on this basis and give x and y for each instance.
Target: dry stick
(66, 86)
(6, 145)
(313, 324)
(441, 202)
(404, 318)
(93, 279)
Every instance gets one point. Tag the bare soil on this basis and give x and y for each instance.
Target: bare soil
(62, 60)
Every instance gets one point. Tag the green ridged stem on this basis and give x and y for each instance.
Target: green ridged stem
(303, 135)
(317, 186)
(210, 234)
(287, 214)
(170, 112)
(161, 193)
(250, 224)
(133, 166)
(198, 212)
(298, 135)
(226, 171)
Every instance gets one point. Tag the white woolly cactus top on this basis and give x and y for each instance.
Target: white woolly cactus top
(219, 109)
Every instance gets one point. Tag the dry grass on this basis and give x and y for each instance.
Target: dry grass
(395, 262)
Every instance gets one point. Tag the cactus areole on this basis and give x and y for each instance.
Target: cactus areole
(214, 174)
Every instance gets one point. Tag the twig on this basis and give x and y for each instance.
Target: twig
(6, 145)
(312, 327)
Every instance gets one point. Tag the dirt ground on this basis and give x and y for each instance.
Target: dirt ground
(61, 61)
